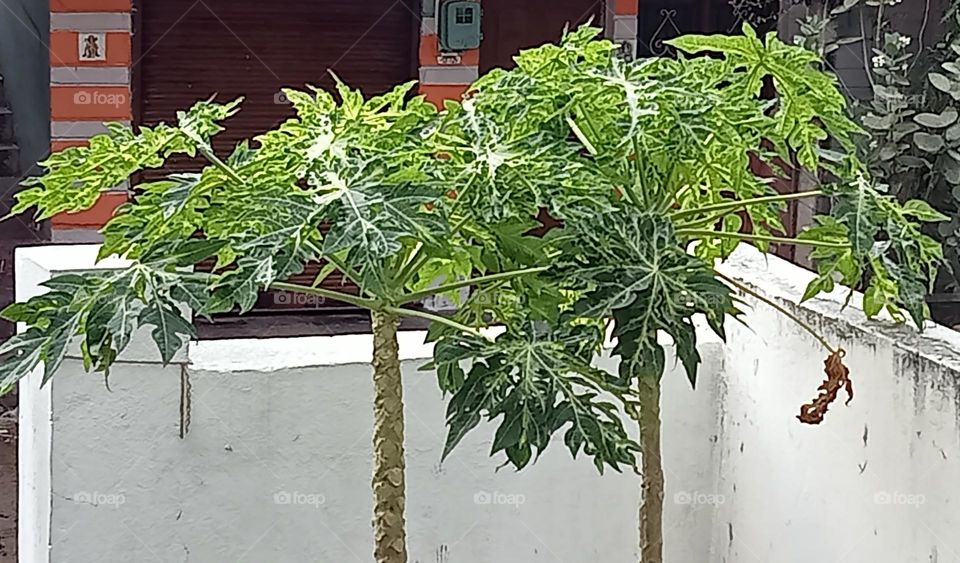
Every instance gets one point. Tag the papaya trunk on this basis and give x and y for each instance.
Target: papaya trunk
(651, 489)
(389, 483)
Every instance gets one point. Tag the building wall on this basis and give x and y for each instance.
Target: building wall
(83, 93)
(276, 463)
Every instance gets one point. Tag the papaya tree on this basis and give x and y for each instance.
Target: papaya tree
(643, 168)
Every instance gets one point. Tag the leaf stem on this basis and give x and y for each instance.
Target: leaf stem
(208, 153)
(741, 203)
(503, 276)
(805, 326)
(707, 233)
(374, 305)
(418, 258)
(589, 122)
(407, 268)
(370, 304)
(640, 200)
(434, 318)
(581, 136)
(350, 274)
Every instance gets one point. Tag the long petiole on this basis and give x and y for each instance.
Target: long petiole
(669, 202)
(407, 267)
(329, 294)
(434, 318)
(588, 121)
(208, 153)
(739, 204)
(350, 274)
(800, 322)
(707, 233)
(704, 222)
(640, 199)
(503, 276)
(418, 258)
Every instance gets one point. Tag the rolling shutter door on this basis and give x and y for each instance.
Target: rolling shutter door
(194, 50)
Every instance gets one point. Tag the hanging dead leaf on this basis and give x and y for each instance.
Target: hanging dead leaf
(838, 377)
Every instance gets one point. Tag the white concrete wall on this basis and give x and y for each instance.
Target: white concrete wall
(276, 465)
(879, 480)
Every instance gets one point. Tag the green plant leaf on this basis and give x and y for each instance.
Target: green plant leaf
(928, 142)
(937, 121)
(940, 82)
(923, 211)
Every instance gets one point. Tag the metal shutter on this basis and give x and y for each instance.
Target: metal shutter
(192, 50)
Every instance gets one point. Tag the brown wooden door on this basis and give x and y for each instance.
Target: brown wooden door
(512, 25)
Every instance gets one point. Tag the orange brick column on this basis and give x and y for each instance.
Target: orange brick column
(444, 76)
(90, 59)
(621, 24)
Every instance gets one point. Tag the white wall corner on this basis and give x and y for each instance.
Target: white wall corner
(33, 538)
(34, 266)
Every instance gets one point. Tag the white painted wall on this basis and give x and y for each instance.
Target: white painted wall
(879, 480)
(276, 465)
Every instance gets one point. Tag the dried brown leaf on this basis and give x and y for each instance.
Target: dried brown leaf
(838, 377)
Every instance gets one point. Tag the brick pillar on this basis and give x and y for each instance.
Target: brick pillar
(444, 76)
(447, 76)
(621, 24)
(90, 60)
